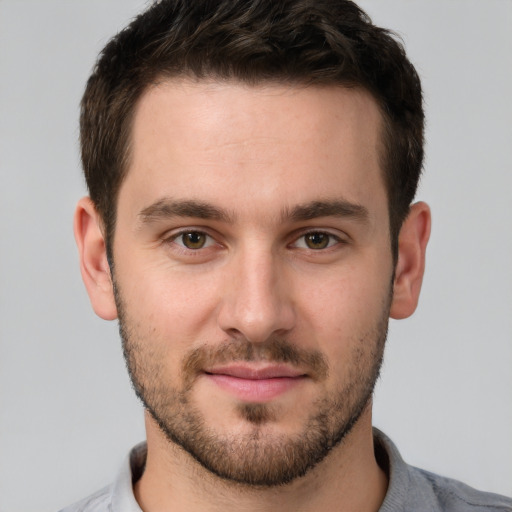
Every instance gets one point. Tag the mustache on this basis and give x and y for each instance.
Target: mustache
(275, 350)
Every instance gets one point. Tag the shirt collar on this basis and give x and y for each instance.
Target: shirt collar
(123, 499)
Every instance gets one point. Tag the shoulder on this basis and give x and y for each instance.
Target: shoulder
(411, 488)
(451, 495)
(98, 502)
(118, 496)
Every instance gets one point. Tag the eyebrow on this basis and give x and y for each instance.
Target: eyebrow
(166, 208)
(327, 208)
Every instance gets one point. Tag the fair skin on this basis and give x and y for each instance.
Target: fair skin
(258, 264)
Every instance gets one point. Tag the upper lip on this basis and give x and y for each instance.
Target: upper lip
(251, 372)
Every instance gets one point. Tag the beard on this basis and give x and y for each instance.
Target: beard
(259, 457)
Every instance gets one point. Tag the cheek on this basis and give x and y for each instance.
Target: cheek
(163, 320)
(174, 308)
(346, 307)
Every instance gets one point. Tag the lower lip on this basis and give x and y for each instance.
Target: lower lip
(255, 390)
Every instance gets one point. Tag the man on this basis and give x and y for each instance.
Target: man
(251, 168)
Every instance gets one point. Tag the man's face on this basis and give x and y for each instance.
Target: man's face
(253, 270)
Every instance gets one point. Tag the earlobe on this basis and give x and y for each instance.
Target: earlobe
(410, 267)
(93, 259)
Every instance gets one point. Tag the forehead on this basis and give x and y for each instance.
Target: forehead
(225, 141)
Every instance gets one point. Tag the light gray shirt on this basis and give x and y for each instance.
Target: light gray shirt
(410, 489)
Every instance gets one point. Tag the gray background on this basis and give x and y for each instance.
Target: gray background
(67, 413)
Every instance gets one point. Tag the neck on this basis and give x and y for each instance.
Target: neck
(349, 478)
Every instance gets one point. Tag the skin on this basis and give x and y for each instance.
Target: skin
(256, 153)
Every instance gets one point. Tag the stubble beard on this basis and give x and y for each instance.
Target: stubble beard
(258, 458)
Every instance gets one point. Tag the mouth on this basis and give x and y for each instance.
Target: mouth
(253, 383)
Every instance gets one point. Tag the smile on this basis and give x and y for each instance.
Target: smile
(251, 384)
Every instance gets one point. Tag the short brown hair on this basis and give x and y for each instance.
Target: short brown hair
(327, 42)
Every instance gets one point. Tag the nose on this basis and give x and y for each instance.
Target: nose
(257, 300)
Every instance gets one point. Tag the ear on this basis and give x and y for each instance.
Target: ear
(93, 259)
(410, 267)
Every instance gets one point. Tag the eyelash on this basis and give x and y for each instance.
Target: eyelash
(172, 239)
(332, 241)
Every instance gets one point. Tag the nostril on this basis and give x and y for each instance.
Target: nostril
(256, 305)
(234, 333)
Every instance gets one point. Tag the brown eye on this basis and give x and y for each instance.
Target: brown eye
(194, 239)
(317, 240)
